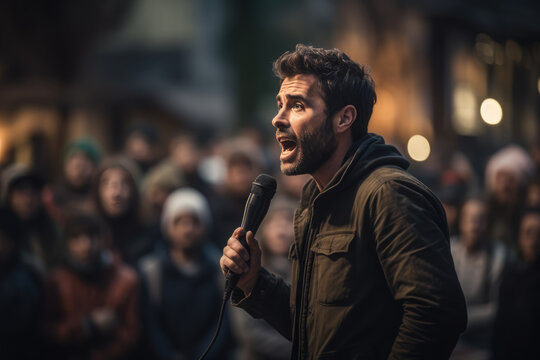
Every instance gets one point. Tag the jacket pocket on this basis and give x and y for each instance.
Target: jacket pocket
(333, 267)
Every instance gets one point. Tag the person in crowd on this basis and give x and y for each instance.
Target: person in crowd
(141, 144)
(517, 324)
(117, 201)
(186, 155)
(74, 192)
(91, 303)
(479, 264)
(257, 339)
(532, 196)
(451, 190)
(507, 173)
(180, 169)
(157, 185)
(23, 208)
(182, 287)
(21, 298)
(291, 186)
(243, 165)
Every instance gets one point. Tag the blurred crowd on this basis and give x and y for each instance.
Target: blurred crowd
(118, 257)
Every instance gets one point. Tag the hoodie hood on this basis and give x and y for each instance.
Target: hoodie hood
(365, 155)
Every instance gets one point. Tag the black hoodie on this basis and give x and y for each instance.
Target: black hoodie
(372, 274)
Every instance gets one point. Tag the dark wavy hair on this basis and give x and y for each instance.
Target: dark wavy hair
(342, 81)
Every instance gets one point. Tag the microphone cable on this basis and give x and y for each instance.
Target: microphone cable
(262, 191)
(226, 297)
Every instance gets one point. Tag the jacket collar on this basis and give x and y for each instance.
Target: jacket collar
(364, 156)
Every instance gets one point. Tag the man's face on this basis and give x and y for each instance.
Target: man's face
(304, 130)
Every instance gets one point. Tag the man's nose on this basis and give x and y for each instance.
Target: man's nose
(281, 120)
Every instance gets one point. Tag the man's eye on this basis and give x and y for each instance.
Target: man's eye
(298, 106)
(279, 105)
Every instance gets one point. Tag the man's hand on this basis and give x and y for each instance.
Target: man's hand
(235, 258)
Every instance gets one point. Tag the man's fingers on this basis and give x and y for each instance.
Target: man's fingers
(253, 244)
(238, 232)
(233, 255)
(228, 264)
(237, 246)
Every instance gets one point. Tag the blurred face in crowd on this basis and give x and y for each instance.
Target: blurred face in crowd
(186, 231)
(303, 128)
(451, 212)
(529, 237)
(115, 191)
(25, 201)
(533, 195)
(84, 247)
(473, 224)
(79, 169)
(185, 154)
(293, 185)
(278, 232)
(139, 149)
(506, 187)
(239, 178)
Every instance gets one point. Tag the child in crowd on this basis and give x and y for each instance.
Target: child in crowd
(91, 307)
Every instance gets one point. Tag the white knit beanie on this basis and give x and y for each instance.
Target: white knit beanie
(185, 200)
(511, 158)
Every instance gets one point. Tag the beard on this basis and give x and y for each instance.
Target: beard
(315, 148)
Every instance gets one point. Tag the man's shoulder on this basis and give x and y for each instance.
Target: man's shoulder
(389, 179)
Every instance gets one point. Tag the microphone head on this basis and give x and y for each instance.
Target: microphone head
(264, 185)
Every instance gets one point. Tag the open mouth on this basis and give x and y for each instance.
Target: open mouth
(287, 147)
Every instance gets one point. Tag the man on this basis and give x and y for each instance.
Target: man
(372, 275)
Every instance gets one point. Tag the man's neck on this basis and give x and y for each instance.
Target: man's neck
(326, 172)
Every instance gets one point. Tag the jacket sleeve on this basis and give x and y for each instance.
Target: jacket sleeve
(411, 237)
(269, 300)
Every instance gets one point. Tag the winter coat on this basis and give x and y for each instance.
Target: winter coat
(372, 274)
(72, 295)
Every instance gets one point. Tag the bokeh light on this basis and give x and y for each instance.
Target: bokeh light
(491, 111)
(418, 148)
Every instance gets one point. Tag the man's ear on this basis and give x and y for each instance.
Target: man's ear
(345, 118)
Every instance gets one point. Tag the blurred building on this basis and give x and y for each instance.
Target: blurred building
(95, 67)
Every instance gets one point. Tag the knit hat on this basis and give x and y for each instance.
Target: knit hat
(16, 174)
(86, 145)
(513, 159)
(185, 200)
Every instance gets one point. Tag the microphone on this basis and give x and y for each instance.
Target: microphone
(257, 204)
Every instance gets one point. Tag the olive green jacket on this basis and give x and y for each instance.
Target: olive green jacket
(372, 273)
